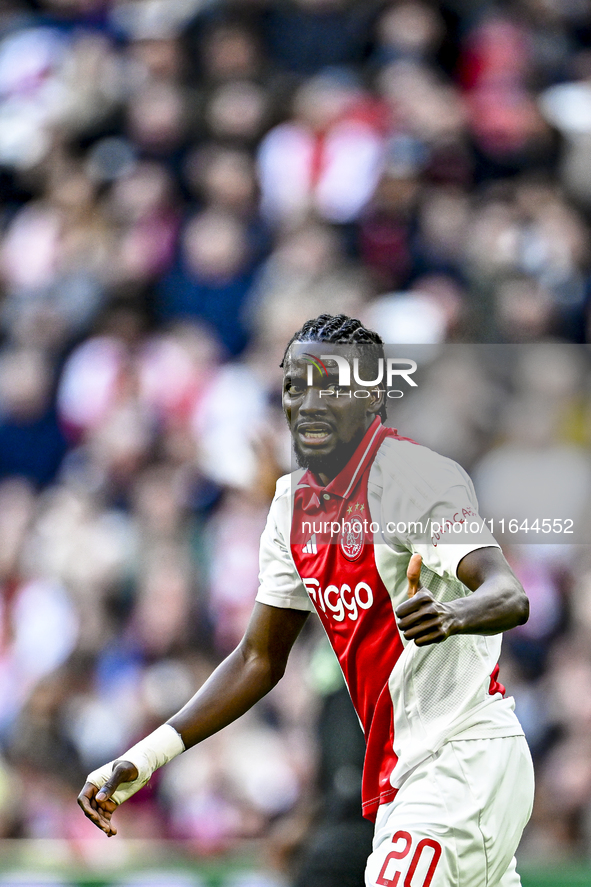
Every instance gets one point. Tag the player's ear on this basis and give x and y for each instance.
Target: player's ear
(376, 400)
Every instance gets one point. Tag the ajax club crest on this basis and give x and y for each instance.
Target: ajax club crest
(352, 536)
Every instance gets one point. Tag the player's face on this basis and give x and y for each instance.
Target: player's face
(325, 428)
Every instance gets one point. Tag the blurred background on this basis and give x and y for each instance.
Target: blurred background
(182, 184)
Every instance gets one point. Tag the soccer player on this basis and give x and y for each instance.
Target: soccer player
(381, 537)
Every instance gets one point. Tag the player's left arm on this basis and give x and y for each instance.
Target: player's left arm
(497, 604)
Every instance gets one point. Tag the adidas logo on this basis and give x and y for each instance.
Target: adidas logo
(310, 546)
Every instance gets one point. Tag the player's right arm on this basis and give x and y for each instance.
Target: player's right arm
(244, 677)
(255, 666)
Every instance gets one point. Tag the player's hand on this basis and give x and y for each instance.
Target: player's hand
(422, 619)
(413, 574)
(96, 802)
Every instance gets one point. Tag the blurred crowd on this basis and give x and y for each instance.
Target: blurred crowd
(182, 184)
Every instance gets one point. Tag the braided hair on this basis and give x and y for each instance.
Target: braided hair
(339, 329)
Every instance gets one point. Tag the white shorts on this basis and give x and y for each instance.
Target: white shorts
(458, 818)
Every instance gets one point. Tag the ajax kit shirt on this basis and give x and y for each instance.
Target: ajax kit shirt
(343, 551)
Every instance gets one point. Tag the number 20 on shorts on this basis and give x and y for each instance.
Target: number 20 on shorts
(426, 844)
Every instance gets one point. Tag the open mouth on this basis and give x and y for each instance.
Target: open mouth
(314, 435)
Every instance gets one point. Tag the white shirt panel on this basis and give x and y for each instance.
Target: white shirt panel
(440, 691)
(280, 584)
(413, 492)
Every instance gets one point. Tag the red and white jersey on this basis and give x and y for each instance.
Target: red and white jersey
(343, 551)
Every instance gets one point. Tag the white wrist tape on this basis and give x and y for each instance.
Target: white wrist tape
(147, 755)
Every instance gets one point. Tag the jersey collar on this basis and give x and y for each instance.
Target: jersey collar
(346, 481)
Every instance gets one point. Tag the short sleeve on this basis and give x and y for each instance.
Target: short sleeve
(429, 507)
(279, 582)
(454, 528)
